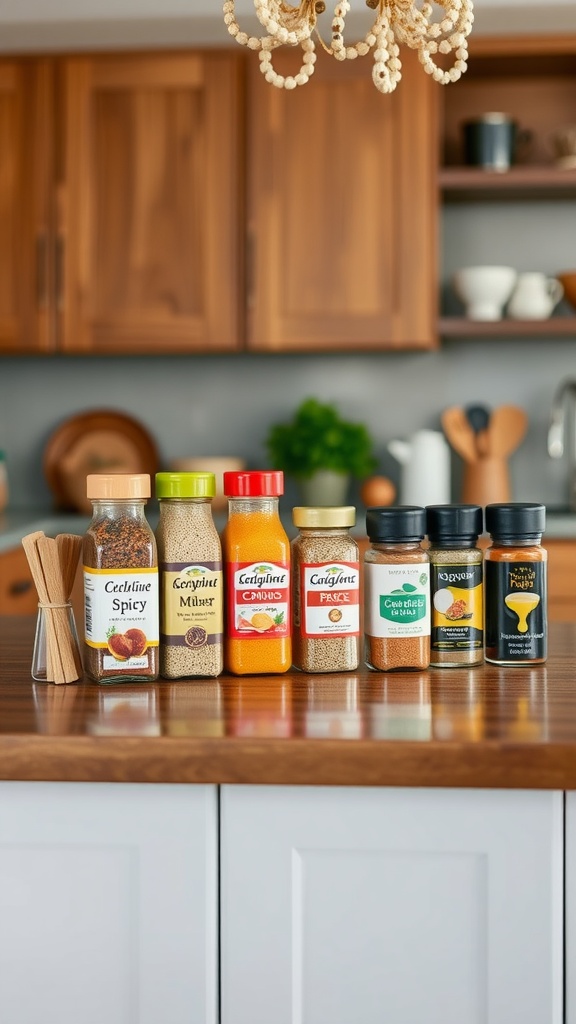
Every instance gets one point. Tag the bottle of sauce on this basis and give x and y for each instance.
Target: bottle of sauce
(516, 618)
(256, 556)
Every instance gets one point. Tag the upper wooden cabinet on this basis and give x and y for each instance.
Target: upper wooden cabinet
(26, 169)
(136, 218)
(342, 209)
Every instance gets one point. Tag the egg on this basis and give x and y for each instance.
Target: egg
(377, 490)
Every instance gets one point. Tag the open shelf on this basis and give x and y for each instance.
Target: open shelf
(459, 184)
(553, 327)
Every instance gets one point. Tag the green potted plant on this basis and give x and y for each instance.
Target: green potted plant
(321, 451)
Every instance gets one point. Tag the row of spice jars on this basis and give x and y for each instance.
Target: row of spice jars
(155, 604)
(450, 604)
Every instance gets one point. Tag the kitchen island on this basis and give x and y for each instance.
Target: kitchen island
(331, 849)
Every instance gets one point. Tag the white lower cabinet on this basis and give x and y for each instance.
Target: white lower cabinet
(570, 908)
(391, 906)
(108, 904)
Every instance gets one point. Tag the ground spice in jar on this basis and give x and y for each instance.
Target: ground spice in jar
(516, 620)
(456, 585)
(120, 581)
(397, 589)
(191, 591)
(325, 590)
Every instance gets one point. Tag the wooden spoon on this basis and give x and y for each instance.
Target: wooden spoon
(459, 432)
(508, 426)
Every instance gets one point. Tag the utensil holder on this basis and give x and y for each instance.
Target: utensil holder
(486, 480)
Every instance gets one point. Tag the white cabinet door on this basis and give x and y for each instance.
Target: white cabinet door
(571, 908)
(391, 906)
(108, 904)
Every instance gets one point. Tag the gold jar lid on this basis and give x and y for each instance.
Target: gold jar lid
(324, 516)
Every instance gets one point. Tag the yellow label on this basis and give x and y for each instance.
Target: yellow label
(192, 605)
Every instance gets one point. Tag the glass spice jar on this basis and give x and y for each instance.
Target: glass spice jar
(120, 581)
(325, 590)
(256, 555)
(397, 589)
(456, 585)
(191, 590)
(515, 564)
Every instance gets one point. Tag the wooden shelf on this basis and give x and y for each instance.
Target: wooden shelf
(554, 327)
(459, 184)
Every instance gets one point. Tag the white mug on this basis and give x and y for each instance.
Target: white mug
(534, 296)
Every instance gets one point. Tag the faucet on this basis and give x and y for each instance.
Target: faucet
(558, 431)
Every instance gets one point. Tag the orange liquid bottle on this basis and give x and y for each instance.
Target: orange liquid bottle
(256, 554)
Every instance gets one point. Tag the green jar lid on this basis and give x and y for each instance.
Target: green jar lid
(185, 485)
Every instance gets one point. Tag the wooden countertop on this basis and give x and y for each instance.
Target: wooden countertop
(482, 727)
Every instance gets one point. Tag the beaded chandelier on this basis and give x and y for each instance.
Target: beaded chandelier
(396, 21)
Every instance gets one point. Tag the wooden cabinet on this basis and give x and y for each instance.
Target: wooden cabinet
(401, 905)
(561, 577)
(120, 173)
(533, 79)
(26, 176)
(109, 903)
(17, 591)
(341, 210)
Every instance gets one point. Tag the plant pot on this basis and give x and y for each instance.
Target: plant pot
(325, 487)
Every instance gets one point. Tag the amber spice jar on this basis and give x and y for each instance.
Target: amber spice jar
(397, 589)
(516, 617)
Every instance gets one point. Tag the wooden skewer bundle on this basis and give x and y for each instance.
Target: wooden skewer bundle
(53, 563)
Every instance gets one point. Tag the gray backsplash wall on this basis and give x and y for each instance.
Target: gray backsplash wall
(224, 405)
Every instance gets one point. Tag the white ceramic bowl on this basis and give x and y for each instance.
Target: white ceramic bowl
(217, 464)
(484, 290)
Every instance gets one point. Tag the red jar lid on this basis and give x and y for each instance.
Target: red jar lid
(254, 484)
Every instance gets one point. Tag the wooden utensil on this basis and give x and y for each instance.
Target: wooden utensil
(459, 433)
(508, 426)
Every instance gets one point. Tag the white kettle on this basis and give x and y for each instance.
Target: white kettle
(425, 462)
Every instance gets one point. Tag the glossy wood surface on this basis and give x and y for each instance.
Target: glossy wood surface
(481, 727)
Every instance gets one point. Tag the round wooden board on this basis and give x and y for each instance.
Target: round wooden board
(98, 441)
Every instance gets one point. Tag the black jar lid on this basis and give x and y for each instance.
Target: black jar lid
(517, 519)
(450, 524)
(395, 523)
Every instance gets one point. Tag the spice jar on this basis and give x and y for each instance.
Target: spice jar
(326, 590)
(397, 589)
(256, 554)
(456, 590)
(191, 591)
(120, 581)
(516, 620)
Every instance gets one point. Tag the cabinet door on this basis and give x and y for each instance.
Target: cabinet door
(342, 209)
(148, 203)
(570, 958)
(25, 191)
(398, 905)
(108, 897)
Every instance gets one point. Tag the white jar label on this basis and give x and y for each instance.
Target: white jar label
(330, 599)
(397, 599)
(121, 612)
(258, 599)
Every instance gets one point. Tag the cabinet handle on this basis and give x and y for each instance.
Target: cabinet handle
(250, 265)
(19, 587)
(42, 271)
